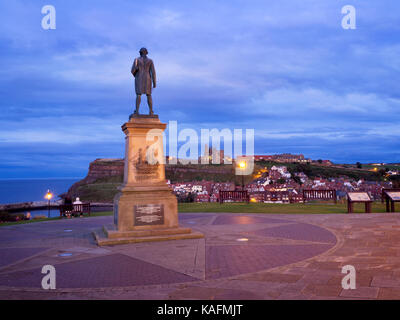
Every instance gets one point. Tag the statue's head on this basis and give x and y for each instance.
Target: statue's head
(143, 52)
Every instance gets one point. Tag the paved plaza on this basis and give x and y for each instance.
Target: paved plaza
(243, 256)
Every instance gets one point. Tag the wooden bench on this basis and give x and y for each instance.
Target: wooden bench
(326, 194)
(74, 209)
(237, 196)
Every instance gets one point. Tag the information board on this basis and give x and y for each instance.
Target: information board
(394, 195)
(358, 196)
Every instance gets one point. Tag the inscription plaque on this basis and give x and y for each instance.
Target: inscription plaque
(149, 214)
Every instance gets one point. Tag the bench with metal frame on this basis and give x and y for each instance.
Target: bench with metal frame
(315, 194)
(74, 209)
(235, 196)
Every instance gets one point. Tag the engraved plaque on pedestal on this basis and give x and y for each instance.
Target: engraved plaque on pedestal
(149, 214)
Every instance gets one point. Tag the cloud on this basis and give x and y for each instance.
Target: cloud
(322, 101)
(60, 130)
(286, 69)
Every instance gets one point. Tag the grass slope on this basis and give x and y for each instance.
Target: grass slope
(309, 208)
(265, 208)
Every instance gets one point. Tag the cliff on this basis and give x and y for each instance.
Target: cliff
(105, 175)
(101, 182)
(104, 168)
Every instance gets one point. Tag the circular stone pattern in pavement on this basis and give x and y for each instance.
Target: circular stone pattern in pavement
(234, 244)
(270, 243)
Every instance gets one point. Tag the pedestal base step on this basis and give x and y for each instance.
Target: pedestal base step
(108, 237)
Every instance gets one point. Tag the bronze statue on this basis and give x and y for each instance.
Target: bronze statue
(145, 74)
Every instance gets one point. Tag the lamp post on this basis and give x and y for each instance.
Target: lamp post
(48, 196)
(242, 166)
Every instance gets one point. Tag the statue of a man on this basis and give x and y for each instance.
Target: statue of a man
(145, 74)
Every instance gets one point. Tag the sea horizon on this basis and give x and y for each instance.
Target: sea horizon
(33, 189)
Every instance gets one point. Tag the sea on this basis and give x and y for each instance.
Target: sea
(23, 190)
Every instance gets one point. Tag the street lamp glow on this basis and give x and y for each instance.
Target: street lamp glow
(48, 195)
(242, 166)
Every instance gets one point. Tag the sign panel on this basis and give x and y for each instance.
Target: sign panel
(149, 214)
(359, 196)
(394, 195)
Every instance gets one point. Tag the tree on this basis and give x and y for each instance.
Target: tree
(382, 172)
(359, 165)
(297, 180)
(281, 181)
(395, 180)
(301, 167)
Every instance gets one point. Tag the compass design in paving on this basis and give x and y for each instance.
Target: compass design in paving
(234, 244)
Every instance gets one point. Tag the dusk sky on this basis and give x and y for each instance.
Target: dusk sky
(286, 69)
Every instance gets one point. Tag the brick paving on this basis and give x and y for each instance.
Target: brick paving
(115, 270)
(226, 261)
(12, 255)
(240, 219)
(284, 257)
(298, 231)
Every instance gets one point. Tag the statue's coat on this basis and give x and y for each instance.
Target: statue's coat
(145, 74)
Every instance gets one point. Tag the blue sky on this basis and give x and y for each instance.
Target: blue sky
(285, 68)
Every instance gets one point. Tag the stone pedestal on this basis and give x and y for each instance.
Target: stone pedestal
(145, 209)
